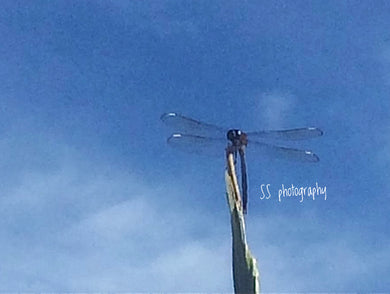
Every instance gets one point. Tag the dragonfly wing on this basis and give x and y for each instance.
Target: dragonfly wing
(293, 134)
(186, 125)
(273, 151)
(198, 144)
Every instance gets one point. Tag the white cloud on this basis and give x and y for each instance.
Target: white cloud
(85, 226)
(275, 109)
(306, 254)
(187, 268)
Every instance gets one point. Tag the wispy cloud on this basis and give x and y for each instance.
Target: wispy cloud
(307, 254)
(274, 109)
(86, 226)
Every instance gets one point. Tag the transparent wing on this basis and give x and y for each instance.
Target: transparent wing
(198, 144)
(272, 151)
(186, 125)
(293, 134)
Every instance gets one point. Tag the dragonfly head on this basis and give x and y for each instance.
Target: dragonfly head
(237, 137)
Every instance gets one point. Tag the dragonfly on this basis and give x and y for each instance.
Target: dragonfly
(203, 138)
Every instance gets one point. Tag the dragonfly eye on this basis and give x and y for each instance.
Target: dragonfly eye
(232, 135)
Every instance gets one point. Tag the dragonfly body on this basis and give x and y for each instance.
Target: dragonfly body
(237, 137)
(238, 140)
(199, 137)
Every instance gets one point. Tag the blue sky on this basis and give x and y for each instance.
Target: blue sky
(93, 199)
